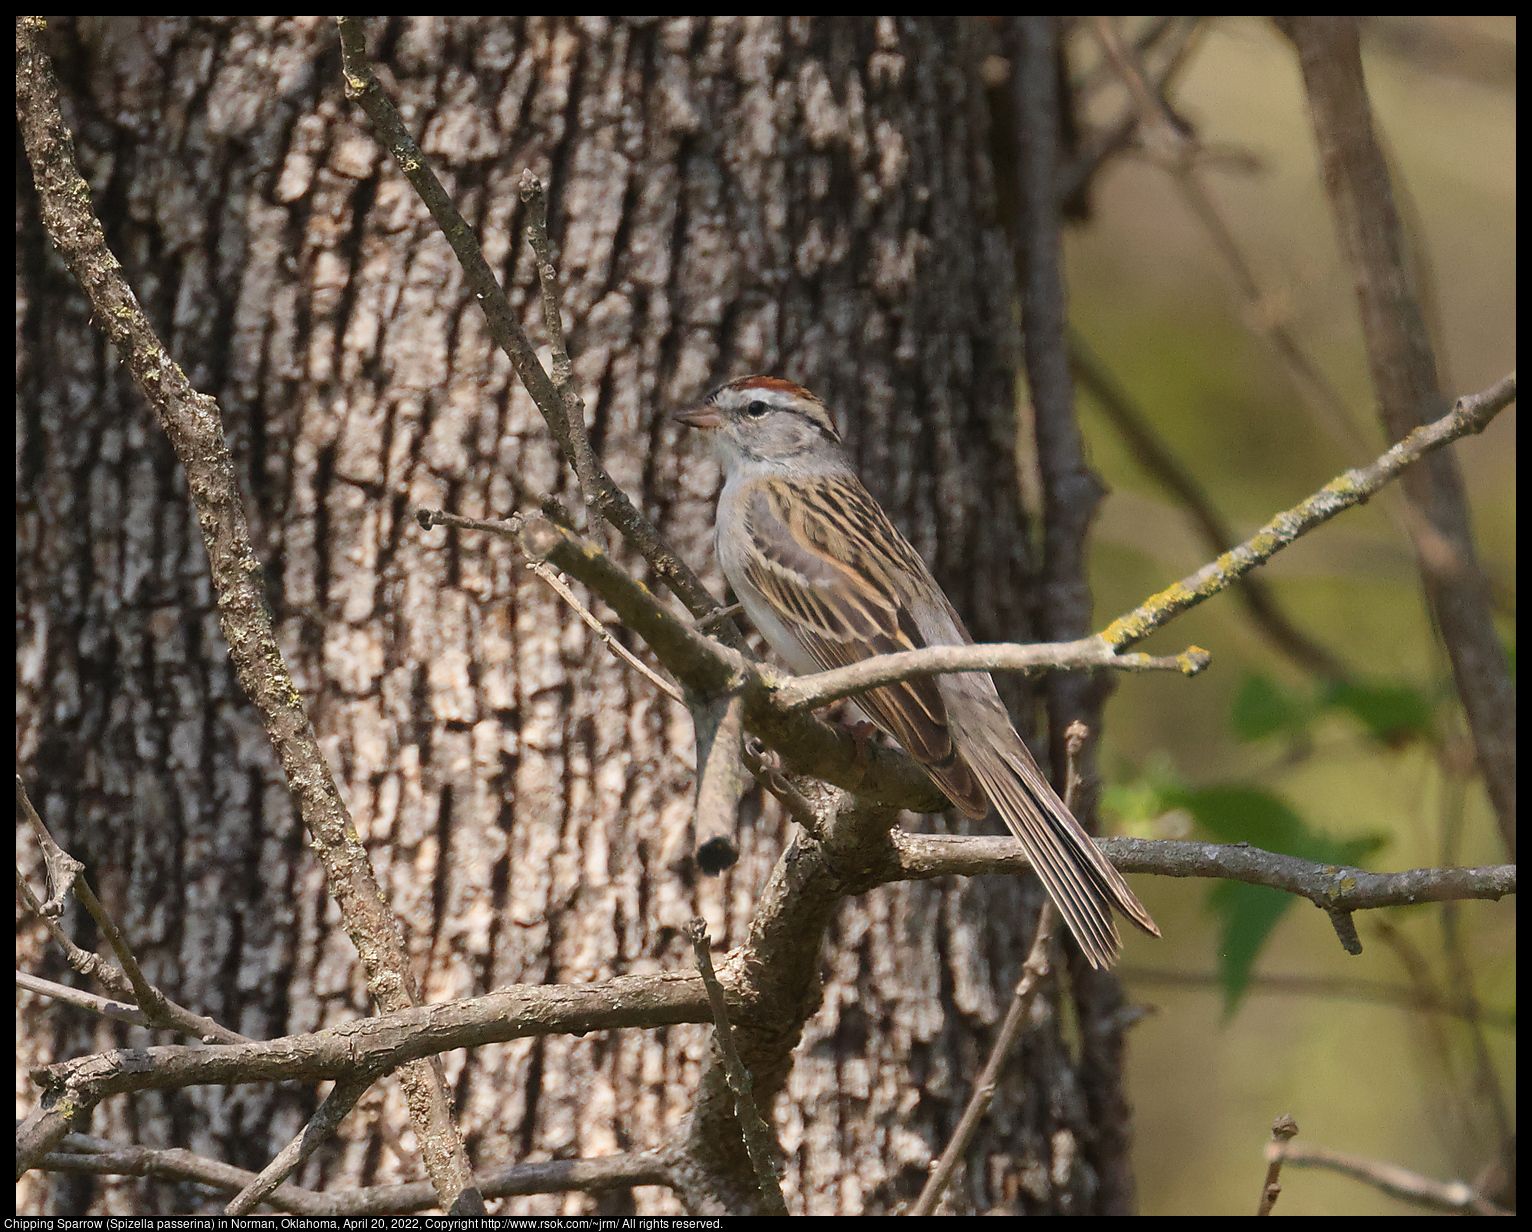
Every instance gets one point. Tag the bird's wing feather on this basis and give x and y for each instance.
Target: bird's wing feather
(845, 584)
(831, 571)
(1079, 877)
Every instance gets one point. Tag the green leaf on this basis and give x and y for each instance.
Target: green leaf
(1262, 708)
(1394, 714)
(1248, 914)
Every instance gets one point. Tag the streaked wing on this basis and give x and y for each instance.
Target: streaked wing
(833, 577)
(1079, 877)
(843, 584)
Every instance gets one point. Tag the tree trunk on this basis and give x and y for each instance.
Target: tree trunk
(806, 198)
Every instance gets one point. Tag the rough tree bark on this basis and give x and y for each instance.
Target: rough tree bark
(812, 199)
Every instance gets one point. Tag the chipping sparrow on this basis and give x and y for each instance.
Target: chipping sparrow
(828, 581)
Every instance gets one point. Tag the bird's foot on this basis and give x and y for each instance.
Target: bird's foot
(862, 733)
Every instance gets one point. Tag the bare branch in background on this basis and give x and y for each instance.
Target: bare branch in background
(1404, 376)
(1471, 413)
(555, 397)
(193, 424)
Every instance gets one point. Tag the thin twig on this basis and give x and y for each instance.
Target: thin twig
(1486, 1092)
(158, 1009)
(61, 868)
(757, 760)
(1455, 1197)
(536, 201)
(82, 1153)
(92, 966)
(822, 688)
(1180, 154)
(704, 623)
(85, 1154)
(1033, 972)
(1471, 413)
(1283, 1128)
(1113, 138)
(318, 1130)
(1331, 887)
(1153, 455)
(194, 426)
(1345, 931)
(1407, 384)
(758, 1138)
(107, 1007)
(551, 575)
(564, 415)
(702, 665)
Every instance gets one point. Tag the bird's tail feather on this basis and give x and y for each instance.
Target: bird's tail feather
(1079, 878)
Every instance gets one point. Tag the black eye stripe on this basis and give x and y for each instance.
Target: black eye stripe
(759, 408)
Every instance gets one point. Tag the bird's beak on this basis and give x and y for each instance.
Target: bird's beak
(703, 416)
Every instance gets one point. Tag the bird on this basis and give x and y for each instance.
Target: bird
(822, 572)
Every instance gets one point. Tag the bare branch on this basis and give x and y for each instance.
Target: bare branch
(1183, 34)
(194, 427)
(1456, 1197)
(319, 1129)
(556, 583)
(61, 868)
(1177, 150)
(1033, 972)
(83, 1153)
(158, 1010)
(758, 761)
(367, 1046)
(1329, 886)
(1155, 457)
(1404, 376)
(811, 692)
(107, 1007)
(777, 979)
(720, 726)
(1472, 413)
(536, 201)
(91, 965)
(1283, 1128)
(758, 1138)
(555, 398)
